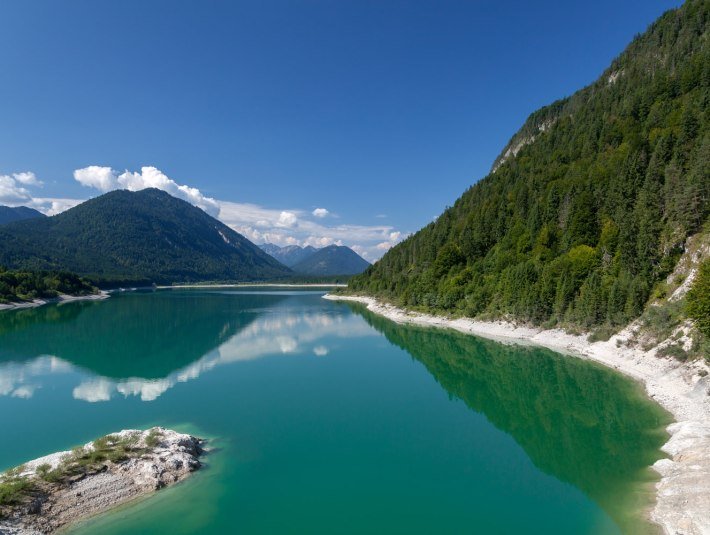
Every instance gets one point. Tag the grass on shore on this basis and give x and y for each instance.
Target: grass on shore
(16, 488)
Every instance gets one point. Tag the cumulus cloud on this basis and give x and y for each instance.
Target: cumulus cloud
(27, 178)
(287, 219)
(320, 213)
(12, 190)
(106, 179)
(94, 176)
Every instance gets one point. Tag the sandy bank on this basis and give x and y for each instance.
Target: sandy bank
(155, 458)
(683, 493)
(60, 299)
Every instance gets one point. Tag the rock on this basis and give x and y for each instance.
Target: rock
(172, 459)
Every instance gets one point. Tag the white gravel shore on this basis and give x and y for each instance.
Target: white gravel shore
(683, 493)
(60, 299)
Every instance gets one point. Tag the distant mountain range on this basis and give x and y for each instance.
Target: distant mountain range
(289, 255)
(126, 237)
(331, 260)
(9, 214)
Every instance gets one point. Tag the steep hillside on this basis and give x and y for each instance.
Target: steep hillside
(332, 260)
(289, 255)
(589, 205)
(8, 214)
(135, 237)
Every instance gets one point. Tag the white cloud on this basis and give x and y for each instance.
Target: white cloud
(25, 391)
(50, 206)
(106, 179)
(392, 239)
(320, 351)
(28, 178)
(320, 213)
(94, 176)
(362, 251)
(287, 219)
(11, 190)
(94, 390)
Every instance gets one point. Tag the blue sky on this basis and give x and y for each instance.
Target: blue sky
(380, 113)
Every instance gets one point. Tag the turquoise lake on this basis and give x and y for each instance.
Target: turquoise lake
(327, 419)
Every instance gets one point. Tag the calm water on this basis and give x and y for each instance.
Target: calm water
(327, 419)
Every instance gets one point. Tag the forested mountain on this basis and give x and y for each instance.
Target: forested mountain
(135, 237)
(289, 255)
(588, 206)
(332, 260)
(8, 214)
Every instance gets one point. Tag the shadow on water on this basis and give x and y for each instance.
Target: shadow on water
(577, 421)
(127, 335)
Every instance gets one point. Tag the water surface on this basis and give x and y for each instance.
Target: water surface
(328, 419)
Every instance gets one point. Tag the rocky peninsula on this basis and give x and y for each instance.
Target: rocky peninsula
(56, 491)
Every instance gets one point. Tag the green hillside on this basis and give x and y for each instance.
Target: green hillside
(141, 237)
(8, 214)
(332, 260)
(588, 206)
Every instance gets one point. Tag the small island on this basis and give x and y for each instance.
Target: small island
(60, 489)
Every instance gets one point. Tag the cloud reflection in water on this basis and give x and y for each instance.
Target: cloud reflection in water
(279, 333)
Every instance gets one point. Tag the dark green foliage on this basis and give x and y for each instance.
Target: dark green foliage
(14, 487)
(673, 350)
(18, 286)
(153, 438)
(331, 260)
(13, 491)
(136, 238)
(8, 214)
(659, 322)
(594, 209)
(698, 299)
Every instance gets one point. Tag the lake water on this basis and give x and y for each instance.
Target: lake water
(328, 419)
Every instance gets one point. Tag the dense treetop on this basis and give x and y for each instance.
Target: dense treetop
(593, 209)
(17, 286)
(8, 214)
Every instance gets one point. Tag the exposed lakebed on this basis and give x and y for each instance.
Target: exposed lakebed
(329, 419)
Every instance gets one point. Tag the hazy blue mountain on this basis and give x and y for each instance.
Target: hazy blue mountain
(332, 260)
(289, 255)
(136, 237)
(8, 214)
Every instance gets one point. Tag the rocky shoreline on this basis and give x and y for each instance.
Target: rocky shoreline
(60, 299)
(61, 489)
(683, 389)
